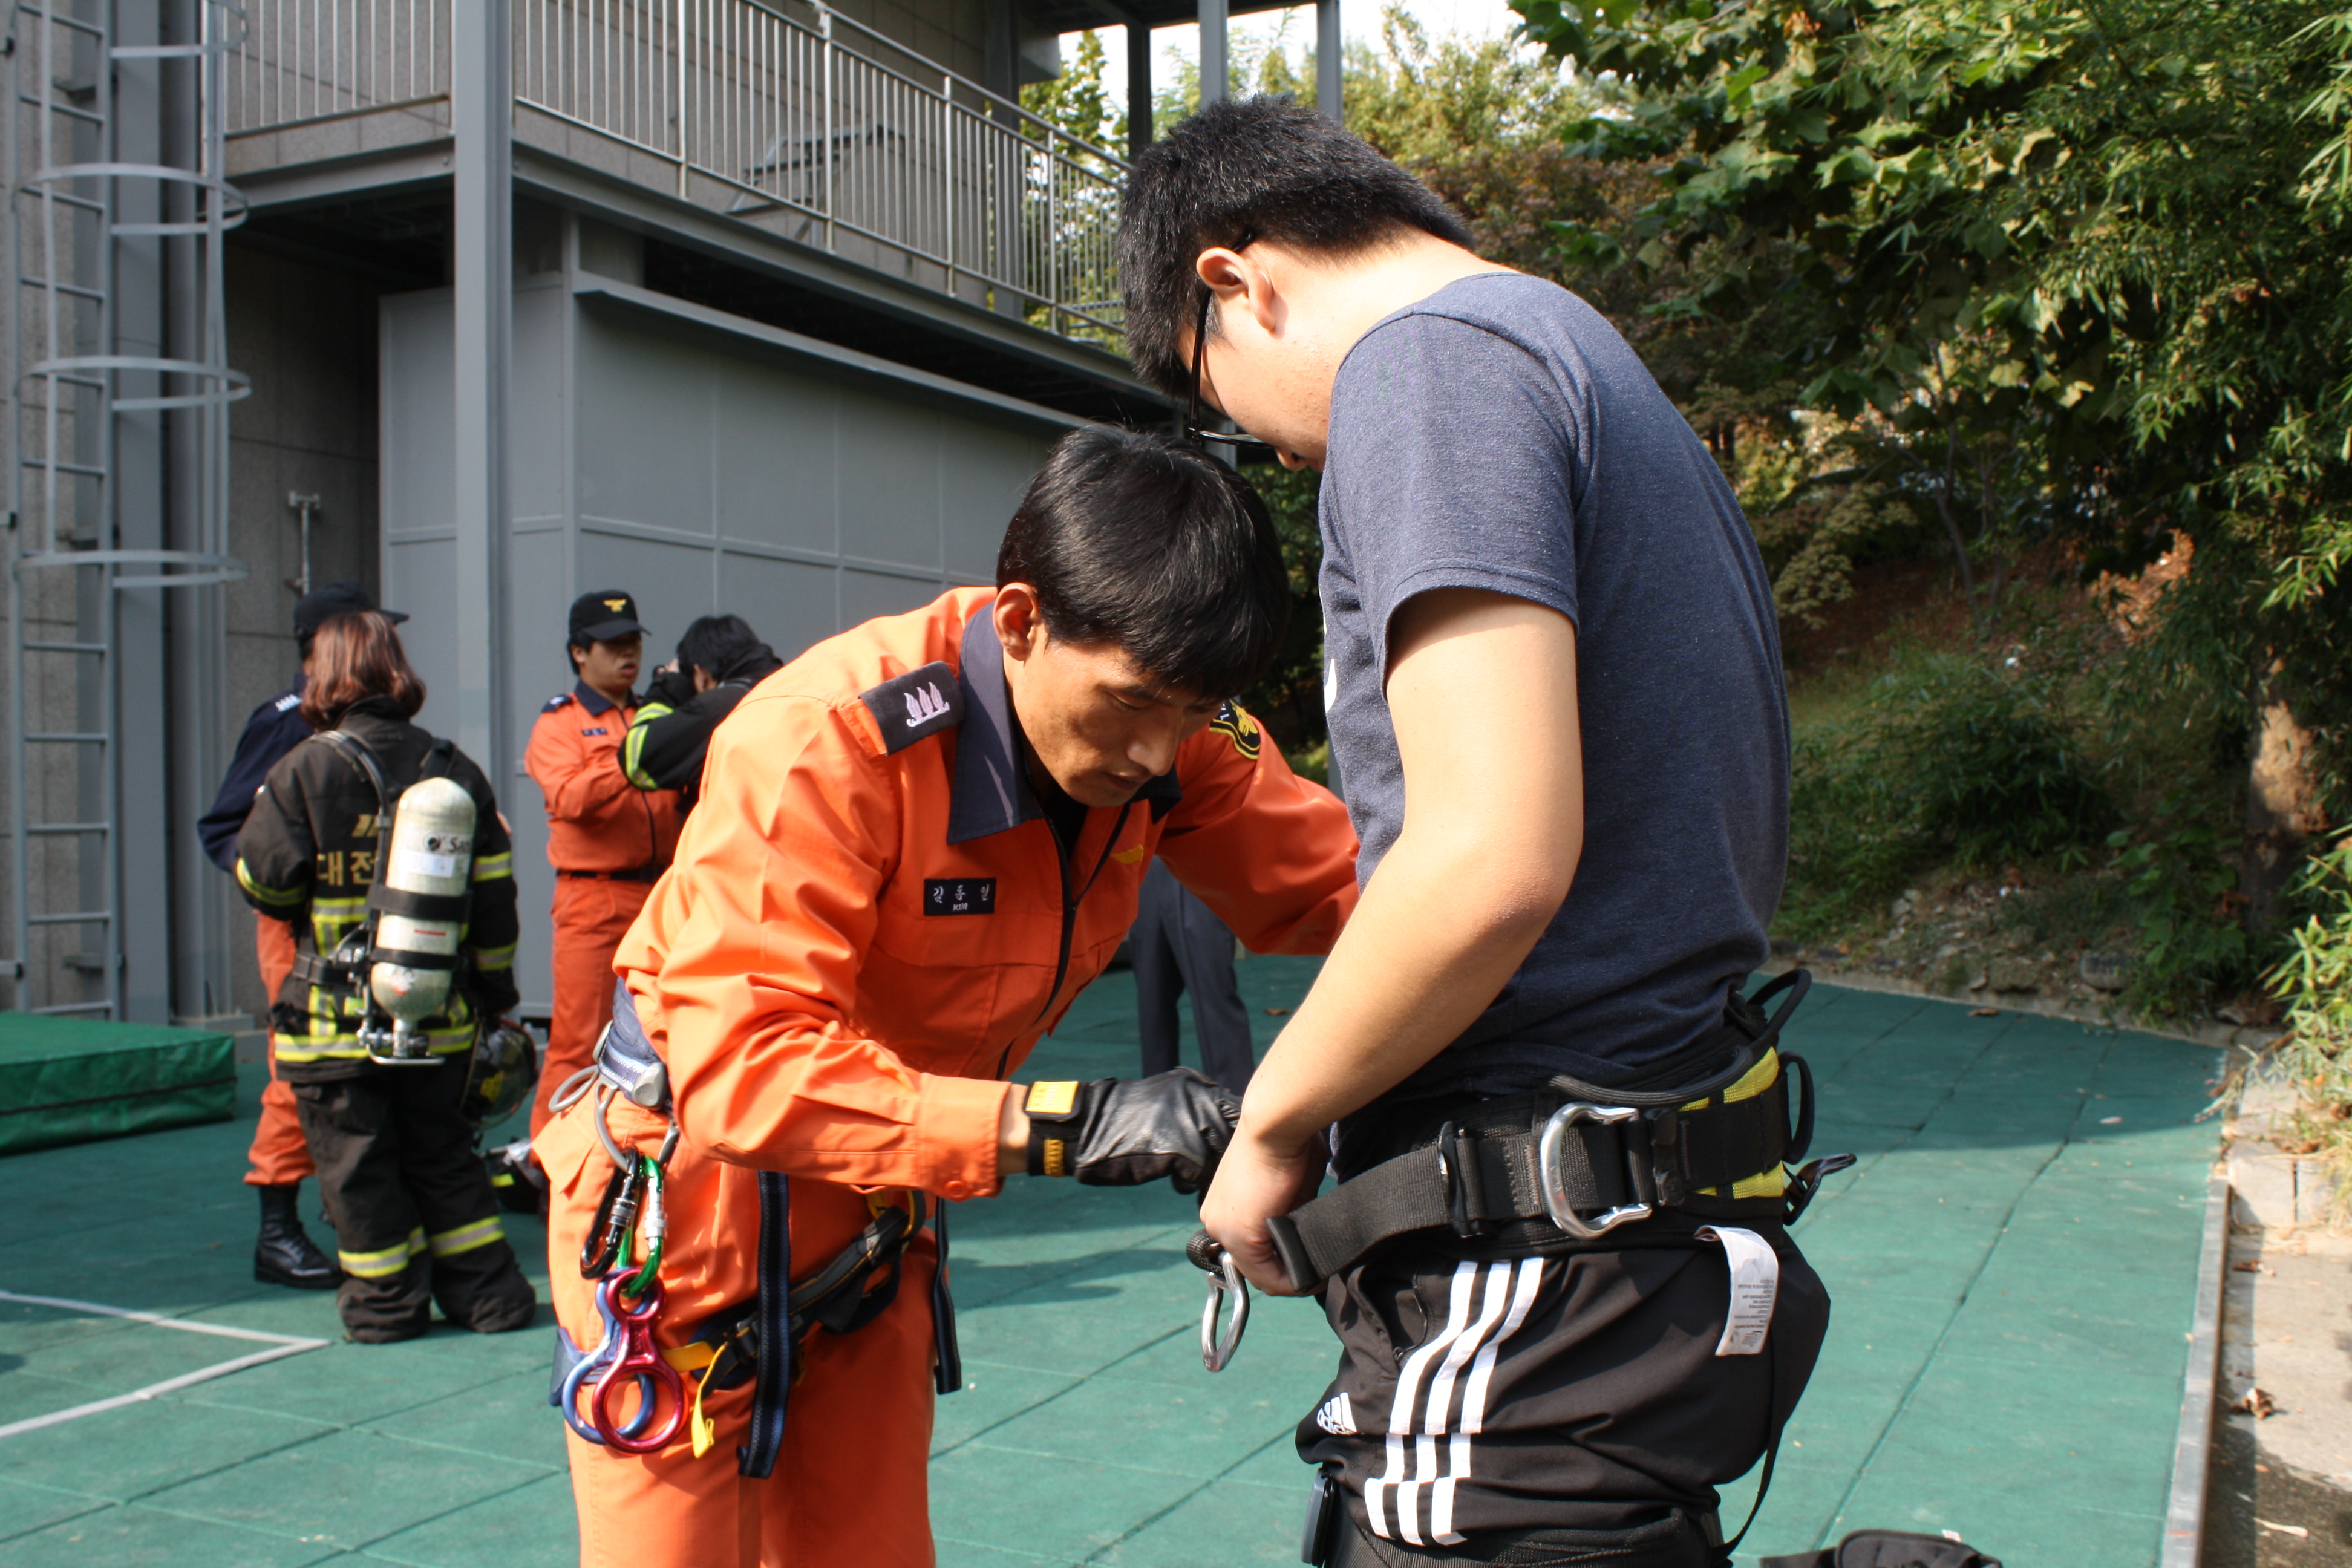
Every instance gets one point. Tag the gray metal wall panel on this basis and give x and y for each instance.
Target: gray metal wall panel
(703, 474)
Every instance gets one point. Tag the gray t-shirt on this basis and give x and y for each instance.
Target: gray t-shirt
(1501, 434)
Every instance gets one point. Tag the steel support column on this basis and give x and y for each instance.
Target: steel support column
(1214, 58)
(482, 274)
(1139, 89)
(1328, 88)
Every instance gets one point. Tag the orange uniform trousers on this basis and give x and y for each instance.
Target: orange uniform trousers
(279, 1157)
(591, 915)
(850, 1489)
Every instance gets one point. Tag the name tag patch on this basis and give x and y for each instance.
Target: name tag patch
(959, 895)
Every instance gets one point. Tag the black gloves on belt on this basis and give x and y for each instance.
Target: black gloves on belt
(1125, 1132)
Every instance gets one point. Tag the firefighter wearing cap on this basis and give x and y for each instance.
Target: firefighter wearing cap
(280, 1159)
(607, 840)
(914, 845)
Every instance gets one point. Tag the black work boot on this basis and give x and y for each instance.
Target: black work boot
(286, 1255)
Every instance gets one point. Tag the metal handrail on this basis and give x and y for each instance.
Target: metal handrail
(742, 106)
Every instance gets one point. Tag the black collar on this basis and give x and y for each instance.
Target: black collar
(991, 792)
(595, 701)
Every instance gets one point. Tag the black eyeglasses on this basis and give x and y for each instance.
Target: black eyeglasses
(1194, 428)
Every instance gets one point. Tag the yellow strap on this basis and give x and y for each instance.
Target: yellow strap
(687, 1357)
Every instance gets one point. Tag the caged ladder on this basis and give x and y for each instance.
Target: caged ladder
(84, 207)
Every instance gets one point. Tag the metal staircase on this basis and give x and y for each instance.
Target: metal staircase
(94, 197)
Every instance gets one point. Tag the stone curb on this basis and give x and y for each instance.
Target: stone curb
(2184, 1513)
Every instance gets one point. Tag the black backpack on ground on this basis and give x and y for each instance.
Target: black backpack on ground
(1888, 1549)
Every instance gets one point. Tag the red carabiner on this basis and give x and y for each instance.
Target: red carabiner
(636, 1362)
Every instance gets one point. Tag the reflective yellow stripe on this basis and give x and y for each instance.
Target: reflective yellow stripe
(633, 746)
(277, 898)
(465, 1237)
(490, 868)
(382, 1264)
(494, 957)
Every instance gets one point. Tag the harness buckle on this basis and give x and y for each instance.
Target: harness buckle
(1805, 1185)
(1559, 1204)
(1225, 1283)
(1465, 1187)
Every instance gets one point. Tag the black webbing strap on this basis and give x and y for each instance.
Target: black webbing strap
(420, 906)
(947, 1352)
(1482, 1172)
(408, 959)
(772, 1382)
(310, 969)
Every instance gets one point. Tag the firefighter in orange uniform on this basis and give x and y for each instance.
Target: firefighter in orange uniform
(914, 845)
(607, 840)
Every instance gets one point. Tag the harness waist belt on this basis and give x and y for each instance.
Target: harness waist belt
(1526, 1171)
(639, 874)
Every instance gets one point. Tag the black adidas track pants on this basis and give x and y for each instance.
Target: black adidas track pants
(1479, 1400)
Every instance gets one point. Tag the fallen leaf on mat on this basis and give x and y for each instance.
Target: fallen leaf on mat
(1276, 1012)
(1984, 1011)
(2282, 1529)
(2256, 1404)
(2248, 1266)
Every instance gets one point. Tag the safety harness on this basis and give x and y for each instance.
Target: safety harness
(345, 973)
(755, 1341)
(1560, 1169)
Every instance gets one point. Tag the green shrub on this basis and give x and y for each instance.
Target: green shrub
(2192, 945)
(2314, 983)
(1948, 758)
(1991, 766)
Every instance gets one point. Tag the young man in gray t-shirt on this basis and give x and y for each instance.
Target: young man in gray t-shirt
(1560, 717)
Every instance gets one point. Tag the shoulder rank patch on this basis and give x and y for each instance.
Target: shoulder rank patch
(290, 701)
(917, 704)
(556, 701)
(1232, 721)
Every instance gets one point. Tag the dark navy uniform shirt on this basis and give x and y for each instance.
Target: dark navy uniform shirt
(275, 728)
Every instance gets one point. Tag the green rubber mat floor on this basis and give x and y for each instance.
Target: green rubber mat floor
(2012, 1261)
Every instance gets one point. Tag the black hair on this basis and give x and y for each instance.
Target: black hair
(718, 645)
(1260, 168)
(1156, 547)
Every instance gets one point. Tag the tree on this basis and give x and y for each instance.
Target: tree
(2092, 248)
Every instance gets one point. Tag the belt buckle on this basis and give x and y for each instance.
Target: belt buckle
(1555, 1201)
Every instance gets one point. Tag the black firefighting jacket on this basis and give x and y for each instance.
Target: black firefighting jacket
(306, 856)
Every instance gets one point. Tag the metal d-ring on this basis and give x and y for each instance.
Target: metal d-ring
(1224, 1280)
(1557, 1201)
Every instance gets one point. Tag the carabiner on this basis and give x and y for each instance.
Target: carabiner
(1224, 1280)
(607, 1242)
(653, 1180)
(637, 1361)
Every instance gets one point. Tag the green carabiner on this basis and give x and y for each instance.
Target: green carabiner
(657, 1225)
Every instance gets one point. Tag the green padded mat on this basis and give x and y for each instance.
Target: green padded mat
(68, 1081)
(2014, 1266)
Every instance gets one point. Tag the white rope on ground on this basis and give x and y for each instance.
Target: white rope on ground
(285, 1346)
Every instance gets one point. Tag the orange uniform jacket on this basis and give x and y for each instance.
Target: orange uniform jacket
(869, 924)
(596, 820)
(867, 927)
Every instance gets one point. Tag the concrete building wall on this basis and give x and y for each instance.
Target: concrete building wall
(704, 468)
(307, 336)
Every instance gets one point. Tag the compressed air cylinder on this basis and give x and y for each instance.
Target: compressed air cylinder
(432, 852)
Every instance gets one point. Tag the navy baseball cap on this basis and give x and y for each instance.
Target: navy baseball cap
(338, 598)
(601, 617)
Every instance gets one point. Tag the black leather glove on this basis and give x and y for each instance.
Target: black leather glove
(672, 687)
(1125, 1132)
